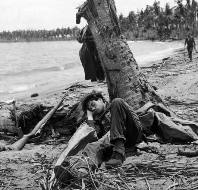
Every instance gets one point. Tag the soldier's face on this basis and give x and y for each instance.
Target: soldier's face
(96, 106)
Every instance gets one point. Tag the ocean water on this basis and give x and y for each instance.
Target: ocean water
(147, 51)
(33, 67)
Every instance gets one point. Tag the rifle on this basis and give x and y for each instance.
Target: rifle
(18, 145)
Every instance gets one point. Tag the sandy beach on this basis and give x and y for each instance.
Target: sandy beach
(176, 80)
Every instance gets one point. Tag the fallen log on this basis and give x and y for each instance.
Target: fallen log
(187, 153)
(78, 141)
(65, 121)
(18, 145)
(27, 116)
(19, 129)
(7, 123)
(21, 119)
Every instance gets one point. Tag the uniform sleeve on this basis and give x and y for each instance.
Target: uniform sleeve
(91, 123)
(99, 128)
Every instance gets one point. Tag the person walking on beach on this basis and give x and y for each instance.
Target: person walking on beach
(89, 56)
(190, 42)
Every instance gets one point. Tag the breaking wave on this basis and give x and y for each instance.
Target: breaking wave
(41, 70)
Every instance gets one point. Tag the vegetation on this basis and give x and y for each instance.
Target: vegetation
(155, 22)
(39, 35)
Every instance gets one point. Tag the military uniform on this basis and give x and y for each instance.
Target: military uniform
(190, 42)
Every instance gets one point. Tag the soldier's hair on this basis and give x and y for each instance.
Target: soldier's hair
(90, 97)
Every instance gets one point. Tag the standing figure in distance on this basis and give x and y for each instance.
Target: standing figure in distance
(190, 42)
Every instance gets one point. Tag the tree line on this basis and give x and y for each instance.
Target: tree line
(156, 22)
(40, 35)
(153, 22)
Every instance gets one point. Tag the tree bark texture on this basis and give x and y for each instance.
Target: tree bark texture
(123, 75)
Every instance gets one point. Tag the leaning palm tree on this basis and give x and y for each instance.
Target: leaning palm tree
(124, 78)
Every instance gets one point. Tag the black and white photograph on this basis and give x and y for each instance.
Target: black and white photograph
(98, 95)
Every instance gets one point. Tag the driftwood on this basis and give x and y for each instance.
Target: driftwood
(23, 118)
(26, 116)
(18, 145)
(188, 153)
(65, 120)
(78, 141)
(7, 123)
(5, 120)
(72, 119)
(19, 129)
(133, 176)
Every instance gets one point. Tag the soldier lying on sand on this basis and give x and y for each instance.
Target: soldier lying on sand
(120, 128)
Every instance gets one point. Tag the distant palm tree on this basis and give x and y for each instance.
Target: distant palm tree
(191, 15)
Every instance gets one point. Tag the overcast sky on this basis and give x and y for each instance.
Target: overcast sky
(50, 14)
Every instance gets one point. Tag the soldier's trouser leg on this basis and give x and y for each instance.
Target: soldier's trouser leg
(90, 158)
(125, 125)
(190, 49)
(98, 151)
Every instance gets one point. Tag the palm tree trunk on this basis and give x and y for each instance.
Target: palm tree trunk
(124, 78)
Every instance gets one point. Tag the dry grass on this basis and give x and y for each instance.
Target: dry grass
(146, 175)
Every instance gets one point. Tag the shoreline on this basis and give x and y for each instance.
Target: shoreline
(74, 39)
(169, 76)
(149, 64)
(145, 60)
(176, 81)
(160, 60)
(152, 70)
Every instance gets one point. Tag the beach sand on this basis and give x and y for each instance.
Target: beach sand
(177, 82)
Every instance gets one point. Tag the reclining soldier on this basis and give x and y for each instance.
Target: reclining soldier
(119, 128)
(125, 127)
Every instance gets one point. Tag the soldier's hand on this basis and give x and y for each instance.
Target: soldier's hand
(89, 115)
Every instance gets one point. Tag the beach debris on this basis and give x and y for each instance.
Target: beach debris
(175, 101)
(8, 124)
(138, 175)
(7, 102)
(64, 121)
(78, 141)
(19, 130)
(18, 145)
(27, 116)
(19, 119)
(34, 95)
(149, 149)
(190, 153)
